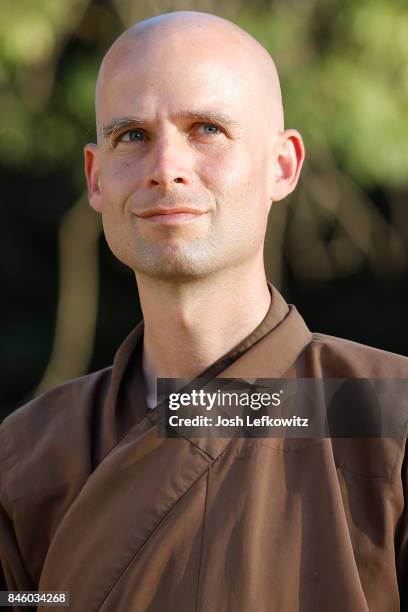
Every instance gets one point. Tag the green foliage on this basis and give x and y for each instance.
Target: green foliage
(344, 74)
(43, 117)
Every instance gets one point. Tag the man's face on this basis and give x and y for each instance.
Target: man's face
(182, 130)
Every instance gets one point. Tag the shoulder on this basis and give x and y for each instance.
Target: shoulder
(338, 357)
(48, 440)
(367, 421)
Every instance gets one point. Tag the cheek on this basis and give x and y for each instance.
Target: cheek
(257, 182)
(119, 179)
(242, 179)
(225, 173)
(243, 203)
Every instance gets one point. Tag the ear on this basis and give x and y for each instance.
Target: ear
(92, 171)
(289, 156)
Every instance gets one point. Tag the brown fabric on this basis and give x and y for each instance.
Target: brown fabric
(94, 503)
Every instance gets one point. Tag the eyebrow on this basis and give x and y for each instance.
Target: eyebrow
(205, 115)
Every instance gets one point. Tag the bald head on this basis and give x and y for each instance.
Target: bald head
(189, 118)
(173, 40)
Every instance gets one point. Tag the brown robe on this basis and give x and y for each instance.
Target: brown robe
(93, 502)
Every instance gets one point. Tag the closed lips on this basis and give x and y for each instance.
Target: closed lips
(170, 211)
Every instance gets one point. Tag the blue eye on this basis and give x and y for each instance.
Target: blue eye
(210, 128)
(132, 136)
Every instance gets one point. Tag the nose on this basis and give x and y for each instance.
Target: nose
(169, 164)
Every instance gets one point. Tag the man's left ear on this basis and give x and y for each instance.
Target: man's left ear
(289, 156)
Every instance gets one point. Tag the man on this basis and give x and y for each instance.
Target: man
(191, 153)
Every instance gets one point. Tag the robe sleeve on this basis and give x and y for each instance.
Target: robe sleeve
(402, 542)
(13, 573)
(3, 585)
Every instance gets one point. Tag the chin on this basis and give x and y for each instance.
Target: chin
(171, 262)
(180, 268)
(177, 272)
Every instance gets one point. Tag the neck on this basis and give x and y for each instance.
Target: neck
(188, 326)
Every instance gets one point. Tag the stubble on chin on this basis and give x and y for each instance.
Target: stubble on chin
(173, 262)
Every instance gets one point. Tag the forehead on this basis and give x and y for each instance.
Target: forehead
(177, 72)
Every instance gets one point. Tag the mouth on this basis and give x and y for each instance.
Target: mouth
(170, 216)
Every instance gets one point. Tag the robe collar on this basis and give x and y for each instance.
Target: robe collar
(270, 351)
